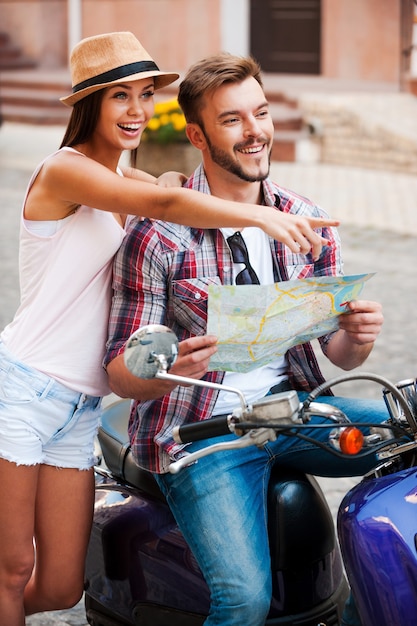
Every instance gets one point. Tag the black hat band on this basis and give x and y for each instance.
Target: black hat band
(116, 73)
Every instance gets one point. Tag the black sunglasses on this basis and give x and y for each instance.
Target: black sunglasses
(240, 255)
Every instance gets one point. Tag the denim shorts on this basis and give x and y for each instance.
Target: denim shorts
(42, 421)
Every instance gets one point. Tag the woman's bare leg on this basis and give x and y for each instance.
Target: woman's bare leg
(63, 517)
(17, 513)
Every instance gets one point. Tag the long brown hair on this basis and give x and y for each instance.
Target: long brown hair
(83, 120)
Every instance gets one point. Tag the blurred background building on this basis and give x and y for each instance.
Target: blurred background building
(305, 47)
(346, 39)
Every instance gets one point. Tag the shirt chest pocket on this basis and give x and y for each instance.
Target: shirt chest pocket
(189, 300)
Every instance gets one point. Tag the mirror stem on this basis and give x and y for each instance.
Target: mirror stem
(183, 380)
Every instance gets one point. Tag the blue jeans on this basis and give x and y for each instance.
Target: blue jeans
(220, 506)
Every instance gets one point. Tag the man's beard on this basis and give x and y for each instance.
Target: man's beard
(225, 161)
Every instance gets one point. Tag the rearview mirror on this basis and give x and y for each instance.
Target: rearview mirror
(149, 350)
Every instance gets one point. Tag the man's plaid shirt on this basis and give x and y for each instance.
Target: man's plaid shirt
(161, 276)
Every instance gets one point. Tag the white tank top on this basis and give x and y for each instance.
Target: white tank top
(60, 327)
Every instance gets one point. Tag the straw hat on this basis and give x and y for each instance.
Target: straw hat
(103, 60)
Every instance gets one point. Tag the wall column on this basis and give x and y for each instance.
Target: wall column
(74, 23)
(235, 26)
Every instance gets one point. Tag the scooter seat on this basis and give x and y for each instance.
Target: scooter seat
(115, 446)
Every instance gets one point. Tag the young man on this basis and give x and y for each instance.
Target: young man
(161, 275)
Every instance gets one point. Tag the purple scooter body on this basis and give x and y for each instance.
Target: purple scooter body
(141, 572)
(377, 527)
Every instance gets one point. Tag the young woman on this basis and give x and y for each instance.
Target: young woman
(51, 375)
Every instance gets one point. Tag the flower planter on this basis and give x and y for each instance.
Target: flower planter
(156, 158)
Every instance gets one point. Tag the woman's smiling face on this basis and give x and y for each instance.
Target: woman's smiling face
(126, 108)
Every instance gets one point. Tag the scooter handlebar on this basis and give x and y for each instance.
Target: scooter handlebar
(206, 429)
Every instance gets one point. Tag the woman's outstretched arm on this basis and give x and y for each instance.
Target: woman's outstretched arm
(69, 179)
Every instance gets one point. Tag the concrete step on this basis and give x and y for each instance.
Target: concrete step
(32, 96)
(40, 80)
(295, 146)
(286, 117)
(35, 115)
(15, 60)
(11, 56)
(293, 139)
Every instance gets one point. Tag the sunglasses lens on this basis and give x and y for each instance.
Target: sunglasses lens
(240, 255)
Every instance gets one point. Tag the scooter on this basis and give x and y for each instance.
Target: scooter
(140, 571)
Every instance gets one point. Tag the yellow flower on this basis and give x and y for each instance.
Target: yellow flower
(167, 125)
(154, 124)
(178, 121)
(164, 119)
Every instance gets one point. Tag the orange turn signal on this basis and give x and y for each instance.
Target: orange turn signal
(351, 440)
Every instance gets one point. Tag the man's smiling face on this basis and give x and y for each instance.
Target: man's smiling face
(238, 129)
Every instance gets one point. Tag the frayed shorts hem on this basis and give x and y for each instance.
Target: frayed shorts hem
(19, 463)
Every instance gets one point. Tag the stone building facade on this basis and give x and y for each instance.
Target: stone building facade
(357, 40)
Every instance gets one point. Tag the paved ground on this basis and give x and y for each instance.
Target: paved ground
(378, 211)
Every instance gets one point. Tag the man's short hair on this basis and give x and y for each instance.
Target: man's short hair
(208, 75)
